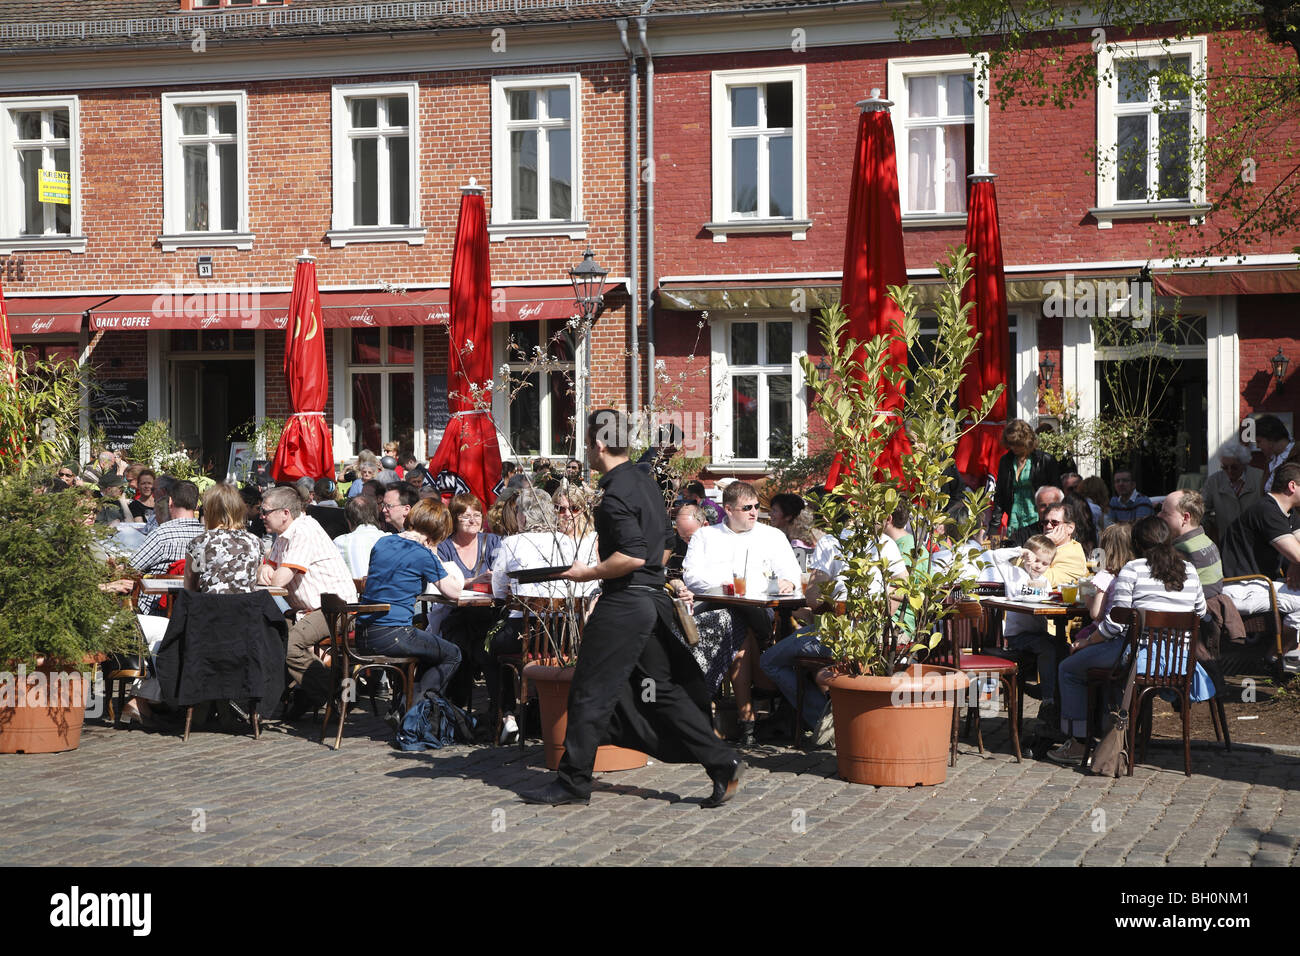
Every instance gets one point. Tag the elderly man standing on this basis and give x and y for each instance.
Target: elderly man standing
(306, 562)
(1231, 490)
(1129, 504)
(1044, 498)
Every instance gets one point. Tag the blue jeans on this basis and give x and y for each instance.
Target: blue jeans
(438, 658)
(1073, 682)
(778, 664)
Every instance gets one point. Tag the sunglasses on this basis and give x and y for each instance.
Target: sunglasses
(753, 507)
(1049, 523)
(566, 511)
(264, 513)
(64, 474)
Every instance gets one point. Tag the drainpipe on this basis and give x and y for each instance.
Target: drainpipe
(633, 220)
(649, 206)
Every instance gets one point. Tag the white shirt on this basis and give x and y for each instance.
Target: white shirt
(355, 548)
(828, 559)
(717, 553)
(542, 549)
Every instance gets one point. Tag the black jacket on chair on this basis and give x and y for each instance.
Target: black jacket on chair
(223, 647)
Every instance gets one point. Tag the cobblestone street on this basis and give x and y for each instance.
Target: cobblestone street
(132, 797)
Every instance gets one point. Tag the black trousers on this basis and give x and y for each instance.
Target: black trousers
(628, 690)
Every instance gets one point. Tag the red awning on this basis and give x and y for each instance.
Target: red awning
(53, 316)
(359, 310)
(531, 303)
(195, 310)
(1228, 280)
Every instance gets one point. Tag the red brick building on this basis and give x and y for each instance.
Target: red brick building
(247, 136)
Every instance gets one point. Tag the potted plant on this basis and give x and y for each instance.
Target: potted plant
(55, 622)
(893, 713)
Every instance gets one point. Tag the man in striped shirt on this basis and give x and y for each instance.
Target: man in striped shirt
(306, 562)
(1182, 511)
(166, 544)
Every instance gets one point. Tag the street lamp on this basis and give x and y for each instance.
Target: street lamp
(1279, 363)
(588, 280)
(1045, 369)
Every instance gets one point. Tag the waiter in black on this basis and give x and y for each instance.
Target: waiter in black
(624, 690)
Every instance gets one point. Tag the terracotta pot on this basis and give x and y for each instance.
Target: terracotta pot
(552, 685)
(42, 710)
(896, 731)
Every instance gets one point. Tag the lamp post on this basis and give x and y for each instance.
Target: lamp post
(1280, 363)
(588, 279)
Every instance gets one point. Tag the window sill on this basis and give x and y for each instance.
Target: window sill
(42, 244)
(573, 229)
(207, 240)
(1193, 211)
(746, 466)
(798, 228)
(919, 220)
(411, 235)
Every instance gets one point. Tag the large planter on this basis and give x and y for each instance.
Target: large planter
(896, 731)
(42, 710)
(552, 685)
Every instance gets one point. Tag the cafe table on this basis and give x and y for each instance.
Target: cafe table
(162, 586)
(783, 604)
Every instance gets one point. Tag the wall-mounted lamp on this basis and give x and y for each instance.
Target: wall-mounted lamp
(1045, 370)
(1280, 363)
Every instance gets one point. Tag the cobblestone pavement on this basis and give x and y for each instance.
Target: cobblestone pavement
(127, 797)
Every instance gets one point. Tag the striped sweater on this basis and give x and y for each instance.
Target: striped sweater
(1204, 556)
(1136, 588)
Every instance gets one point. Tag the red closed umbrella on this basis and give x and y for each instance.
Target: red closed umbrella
(980, 449)
(469, 455)
(306, 449)
(873, 261)
(10, 363)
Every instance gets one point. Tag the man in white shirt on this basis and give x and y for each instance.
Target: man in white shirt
(740, 547)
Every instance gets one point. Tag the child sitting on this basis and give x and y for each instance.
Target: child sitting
(1019, 567)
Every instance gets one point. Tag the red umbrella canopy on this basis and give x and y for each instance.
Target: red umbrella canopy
(6, 342)
(468, 458)
(873, 260)
(306, 449)
(979, 450)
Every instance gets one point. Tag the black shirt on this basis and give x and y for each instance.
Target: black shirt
(631, 519)
(1247, 546)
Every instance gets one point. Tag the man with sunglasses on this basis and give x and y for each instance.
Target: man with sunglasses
(1070, 563)
(740, 546)
(66, 477)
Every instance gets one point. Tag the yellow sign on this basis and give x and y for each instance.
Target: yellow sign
(54, 186)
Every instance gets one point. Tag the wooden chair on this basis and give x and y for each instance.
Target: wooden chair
(122, 670)
(962, 648)
(1169, 663)
(550, 627)
(349, 664)
(1267, 624)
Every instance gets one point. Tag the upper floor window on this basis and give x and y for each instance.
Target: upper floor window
(39, 187)
(940, 131)
(1150, 128)
(375, 181)
(535, 155)
(758, 151)
(205, 180)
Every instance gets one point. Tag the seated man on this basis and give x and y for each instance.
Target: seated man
(1044, 498)
(687, 522)
(1069, 563)
(694, 495)
(306, 562)
(1255, 544)
(168, 542)
(1129, 504)
(740, 546)
(399, 499)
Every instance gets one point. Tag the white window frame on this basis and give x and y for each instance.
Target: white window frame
(1109, 109)
(898, 73)
(500, 224)
(384, 369)
(175, 236)
(344, 230)
(721, 372)
(726, 222)
(11, 203)
(502, 354)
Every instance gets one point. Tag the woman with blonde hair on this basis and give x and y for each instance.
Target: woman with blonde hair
(223, 559)
(1022, 470)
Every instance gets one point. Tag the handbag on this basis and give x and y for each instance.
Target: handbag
(686, 621)
(1111, 754)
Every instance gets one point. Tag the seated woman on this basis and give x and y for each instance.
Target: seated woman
(401, 567)
(224, 558)
(1158, 579)
(530, 539)
(472, 550)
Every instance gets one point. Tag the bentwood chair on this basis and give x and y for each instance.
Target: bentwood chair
(348, 664)
(962, 648)
(1265, 626)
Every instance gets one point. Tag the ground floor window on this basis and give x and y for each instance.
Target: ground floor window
(381, 387)
(537, 407)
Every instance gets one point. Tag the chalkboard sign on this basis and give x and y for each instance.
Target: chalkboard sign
(119, 407)
(437, 414)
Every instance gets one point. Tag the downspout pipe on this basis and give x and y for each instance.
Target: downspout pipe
(649, 205)
(633, 220)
